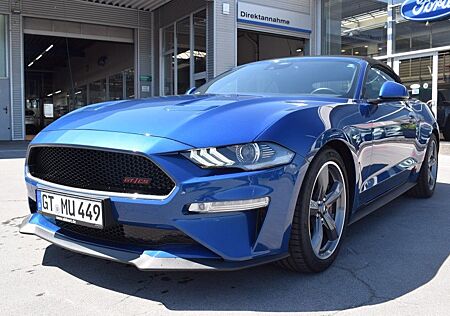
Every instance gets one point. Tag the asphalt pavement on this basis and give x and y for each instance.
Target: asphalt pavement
(393, 262)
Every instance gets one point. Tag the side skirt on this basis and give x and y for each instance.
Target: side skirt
(380, 202)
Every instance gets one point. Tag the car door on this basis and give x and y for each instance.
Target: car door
(394, 126)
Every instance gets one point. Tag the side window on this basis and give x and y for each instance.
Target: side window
(374, 81)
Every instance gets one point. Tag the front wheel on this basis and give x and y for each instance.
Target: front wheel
(320, 216)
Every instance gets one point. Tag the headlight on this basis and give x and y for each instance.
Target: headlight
(250, 156)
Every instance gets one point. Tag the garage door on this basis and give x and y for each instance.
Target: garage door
(77, 30)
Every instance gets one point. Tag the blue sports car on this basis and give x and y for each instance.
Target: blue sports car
(268, 162)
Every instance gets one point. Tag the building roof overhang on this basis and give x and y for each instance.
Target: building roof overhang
(145, 5)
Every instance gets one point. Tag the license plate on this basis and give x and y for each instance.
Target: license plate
(71, 209)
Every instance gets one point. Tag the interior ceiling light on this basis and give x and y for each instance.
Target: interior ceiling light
(54, 93)
(364, 17)
(40, 55)
(187, 55)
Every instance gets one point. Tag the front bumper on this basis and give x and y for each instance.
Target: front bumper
(150, 260)
(224, 241)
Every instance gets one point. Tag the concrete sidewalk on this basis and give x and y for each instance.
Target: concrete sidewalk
(394, 262)
(445, 148)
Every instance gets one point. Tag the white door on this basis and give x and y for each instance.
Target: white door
(5, 110)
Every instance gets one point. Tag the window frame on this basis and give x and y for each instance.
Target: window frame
(390, 73)
(193, 77)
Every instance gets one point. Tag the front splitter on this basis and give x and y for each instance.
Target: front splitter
(149, 260)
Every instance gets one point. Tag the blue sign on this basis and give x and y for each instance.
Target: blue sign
(426, 10)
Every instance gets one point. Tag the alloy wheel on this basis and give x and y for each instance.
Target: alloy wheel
(432, 165)
(327, 211)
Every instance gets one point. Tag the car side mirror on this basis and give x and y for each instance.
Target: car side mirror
(391, 91)
(191, 90)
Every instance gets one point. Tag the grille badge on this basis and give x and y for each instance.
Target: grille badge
(139, 181)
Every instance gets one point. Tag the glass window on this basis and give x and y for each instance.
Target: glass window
(416, 74)
(354, 27)
(184, 55)
(374, 81)
(256, 46)
(168, 60)
(443, 101)
(97, 91)
(129, 82)
(183, 68)
(410, 35)
(168, 65)
(3, 45)
(200, 82)
(116, 87)
(200, 41)
(301, 76)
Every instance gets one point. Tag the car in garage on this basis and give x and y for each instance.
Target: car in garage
(269, 162)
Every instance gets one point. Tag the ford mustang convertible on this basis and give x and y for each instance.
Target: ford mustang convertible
(269, 162)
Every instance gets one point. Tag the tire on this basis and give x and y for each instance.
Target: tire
(308, 216)
(426, 182)
(446, 131)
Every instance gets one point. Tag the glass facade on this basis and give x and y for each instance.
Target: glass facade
(354, 27)
(200, 43)
(168, 50)
(418, 51)
(129, 84)
(362, 28)
(410, 36)
(183, 54)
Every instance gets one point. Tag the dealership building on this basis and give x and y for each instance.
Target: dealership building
(60, 55)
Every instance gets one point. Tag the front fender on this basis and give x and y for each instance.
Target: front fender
(310, 130)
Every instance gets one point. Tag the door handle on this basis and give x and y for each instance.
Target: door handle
(5, 109)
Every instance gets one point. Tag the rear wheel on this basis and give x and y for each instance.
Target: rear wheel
(427, 180)
(320, 216)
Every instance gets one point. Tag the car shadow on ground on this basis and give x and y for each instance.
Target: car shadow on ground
(386, 255)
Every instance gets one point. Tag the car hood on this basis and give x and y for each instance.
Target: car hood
(198, 121)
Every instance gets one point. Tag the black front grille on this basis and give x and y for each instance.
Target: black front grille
(98, 170)
(125, 234)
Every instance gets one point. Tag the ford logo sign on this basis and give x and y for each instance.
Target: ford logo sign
(425, 10)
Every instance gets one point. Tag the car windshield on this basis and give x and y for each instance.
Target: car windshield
(306, 76)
